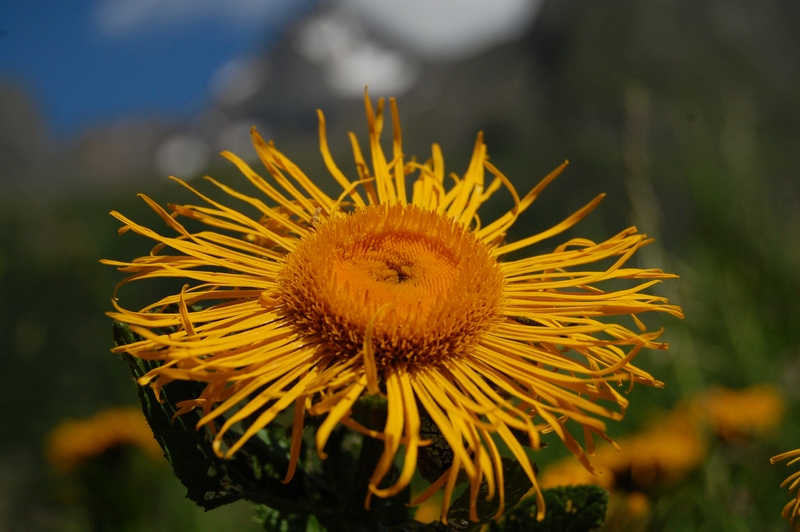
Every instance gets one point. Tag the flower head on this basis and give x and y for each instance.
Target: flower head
(394, 288)
(72, 441)
(739, 413)
(665, 452)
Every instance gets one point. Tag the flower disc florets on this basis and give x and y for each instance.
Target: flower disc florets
(422, 287)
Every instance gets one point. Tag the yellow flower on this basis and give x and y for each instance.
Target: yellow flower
(738, 413)
(627, 511)
(394, 288)
(72, 441)
(666, 452)
(792, 508)
(568, 472)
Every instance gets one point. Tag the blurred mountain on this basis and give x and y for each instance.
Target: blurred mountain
(24, 154)
(560, 91)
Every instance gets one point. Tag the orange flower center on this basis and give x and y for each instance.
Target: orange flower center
(420, 285)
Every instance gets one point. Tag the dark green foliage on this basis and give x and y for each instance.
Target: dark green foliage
(335, 497)
(569, 509)
(107, 483)
(254, 474)
(517, 485)
(275, 521)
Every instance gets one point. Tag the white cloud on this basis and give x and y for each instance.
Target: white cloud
(182, 155)
(384, 71)
(339, 39)
(447, 29)
(350, 60)
(121, 17)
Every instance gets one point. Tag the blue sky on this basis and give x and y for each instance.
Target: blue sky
(89, 61)
(96, 61)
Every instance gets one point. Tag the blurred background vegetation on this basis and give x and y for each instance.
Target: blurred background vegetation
(686, 113)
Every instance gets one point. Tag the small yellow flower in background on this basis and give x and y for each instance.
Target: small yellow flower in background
(754, 411)
(627, 511)
(72, 442)
(676, 446)
(738, 413)
(637, 504)
(394, 288)
(664, 453)
(568, 472)
(660, 456)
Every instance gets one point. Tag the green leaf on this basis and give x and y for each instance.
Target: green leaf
(516, 485)
(568, 509)
(275, 521)
(330, 494)
(255, 473)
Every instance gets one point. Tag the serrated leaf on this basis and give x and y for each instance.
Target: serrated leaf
(569, 509)
(516, 485)
(211, 481)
